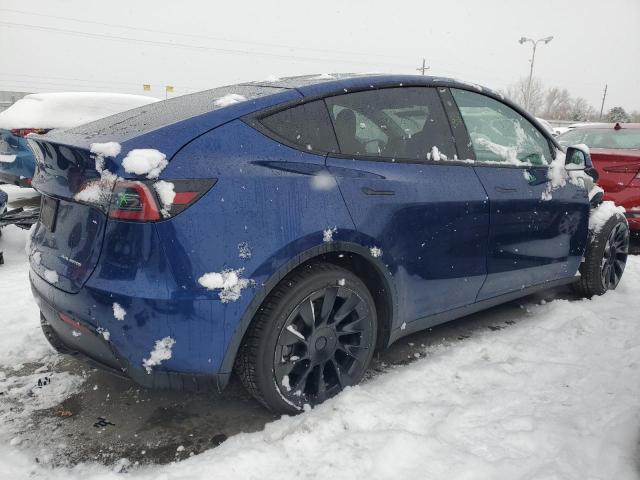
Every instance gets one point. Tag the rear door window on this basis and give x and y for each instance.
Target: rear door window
(603, 138)
(306, 126)
(394, 123)
(499, 133)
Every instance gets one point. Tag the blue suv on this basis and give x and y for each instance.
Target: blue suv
(286, 230)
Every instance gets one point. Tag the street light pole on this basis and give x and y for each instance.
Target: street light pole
(534, 43)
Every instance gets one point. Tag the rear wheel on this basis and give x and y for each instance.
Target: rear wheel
(605, 258)
(314, 336)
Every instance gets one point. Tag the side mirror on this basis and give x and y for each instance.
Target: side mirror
(578, 158)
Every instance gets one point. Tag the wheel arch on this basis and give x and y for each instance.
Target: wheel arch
(350, 256)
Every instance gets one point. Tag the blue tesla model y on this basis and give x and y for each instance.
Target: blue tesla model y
(286, 230)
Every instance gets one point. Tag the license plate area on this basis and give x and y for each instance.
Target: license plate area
(49, 212)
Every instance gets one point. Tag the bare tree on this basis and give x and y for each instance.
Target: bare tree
(557, 103)
(580, 111)
(517, 92)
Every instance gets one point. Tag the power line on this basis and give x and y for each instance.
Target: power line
(66, 80)
(194, 35)
(161, 43)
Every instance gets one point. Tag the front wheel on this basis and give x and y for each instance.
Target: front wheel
(314, 335)
(605, 257)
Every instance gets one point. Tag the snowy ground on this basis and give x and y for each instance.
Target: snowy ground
(531, 390)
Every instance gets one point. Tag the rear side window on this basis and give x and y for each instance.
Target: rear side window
(499, 133)
(602, 138)
(306, 126)
(404, 123)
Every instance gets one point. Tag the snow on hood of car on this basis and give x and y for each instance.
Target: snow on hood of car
(67, 109)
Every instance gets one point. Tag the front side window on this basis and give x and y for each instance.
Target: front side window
(499, 133)
(403, 123)
(307, 126)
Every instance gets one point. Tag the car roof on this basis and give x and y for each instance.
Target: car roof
(601, 125)
(337, 83)
(194, 114)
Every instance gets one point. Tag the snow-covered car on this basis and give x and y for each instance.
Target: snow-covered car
(41, 112)
(546, 125)
(286, 230)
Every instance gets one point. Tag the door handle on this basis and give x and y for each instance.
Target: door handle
(506, 189)
(371, 191)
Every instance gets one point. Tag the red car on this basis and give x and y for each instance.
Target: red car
(615, 151)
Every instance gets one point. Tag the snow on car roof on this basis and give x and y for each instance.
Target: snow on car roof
(67, 109)
(304, 80)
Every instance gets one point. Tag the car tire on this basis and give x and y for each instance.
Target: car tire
(299, 351)
(605, 258)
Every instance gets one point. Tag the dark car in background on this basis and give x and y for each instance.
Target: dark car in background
(286, 230)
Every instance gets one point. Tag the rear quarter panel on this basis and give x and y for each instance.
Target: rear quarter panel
(264, 201)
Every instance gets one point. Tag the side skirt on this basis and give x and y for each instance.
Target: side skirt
(439, 318)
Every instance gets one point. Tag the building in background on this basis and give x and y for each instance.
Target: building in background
(9, 98)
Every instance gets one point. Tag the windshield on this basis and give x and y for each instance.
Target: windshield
(602, 138)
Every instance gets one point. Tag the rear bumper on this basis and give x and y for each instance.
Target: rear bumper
(117, 351)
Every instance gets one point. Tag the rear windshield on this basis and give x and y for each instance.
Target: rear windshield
(134, 122)
(602, 138)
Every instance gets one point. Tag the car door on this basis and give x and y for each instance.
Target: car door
(427, 216)
(537, 233)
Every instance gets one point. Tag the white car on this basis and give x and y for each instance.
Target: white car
(41, 112)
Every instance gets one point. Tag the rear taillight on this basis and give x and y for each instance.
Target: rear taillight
(141, 202)
(71, 322)
(23, 132)
(133, 201)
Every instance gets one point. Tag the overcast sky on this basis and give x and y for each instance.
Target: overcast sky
(60, 45)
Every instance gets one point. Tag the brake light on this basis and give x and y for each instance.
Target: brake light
(23, 132)
(139, 201)
(133, 201)
(71, 322)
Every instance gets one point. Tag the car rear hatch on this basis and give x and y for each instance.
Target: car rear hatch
(69, 237)
(66, 242)
(617, 168)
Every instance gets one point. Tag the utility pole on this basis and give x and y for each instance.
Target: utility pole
(604, 95)
(423, 68)
(522, 41)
